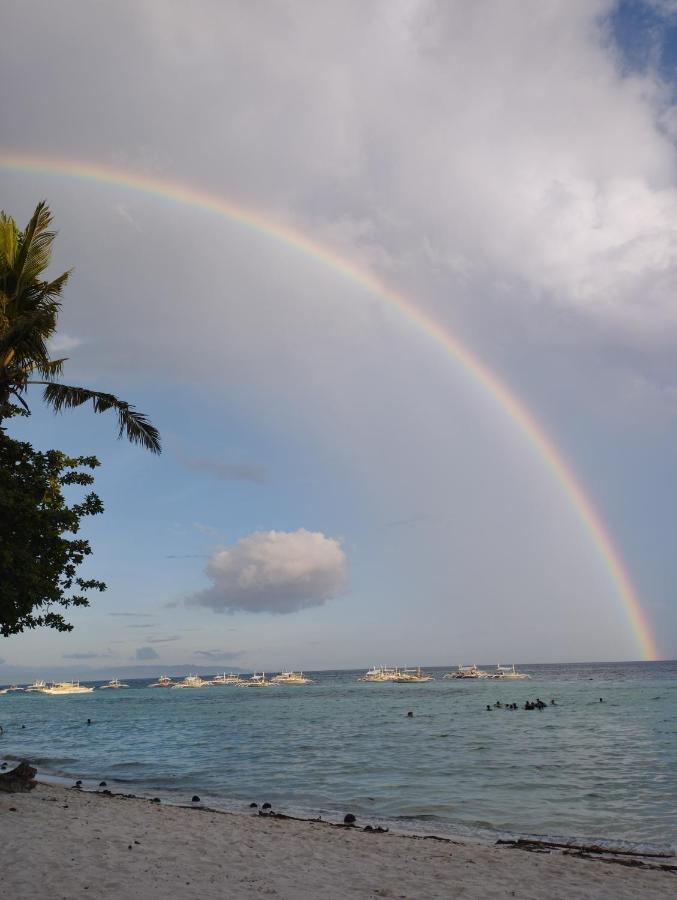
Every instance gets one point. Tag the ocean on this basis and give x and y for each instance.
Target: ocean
(582, 769)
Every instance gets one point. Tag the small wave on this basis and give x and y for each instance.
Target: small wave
(132, 764)
(422, 817)
(52, 761)
(118, 780)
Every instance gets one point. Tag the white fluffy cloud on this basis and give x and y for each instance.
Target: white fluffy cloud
(275, 572)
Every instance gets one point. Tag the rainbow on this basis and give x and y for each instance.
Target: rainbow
(506, 400)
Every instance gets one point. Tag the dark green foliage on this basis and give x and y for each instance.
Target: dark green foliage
(39, 548)
(29, 311)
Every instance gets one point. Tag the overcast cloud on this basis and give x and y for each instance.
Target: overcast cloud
(502, 167)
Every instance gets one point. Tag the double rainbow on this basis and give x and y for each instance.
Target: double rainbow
(463, 356)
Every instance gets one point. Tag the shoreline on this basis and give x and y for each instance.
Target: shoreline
(117, 846)
(449, 832)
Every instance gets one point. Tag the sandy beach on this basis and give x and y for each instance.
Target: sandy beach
(63, 843)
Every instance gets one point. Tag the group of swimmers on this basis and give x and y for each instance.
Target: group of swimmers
(537, 704)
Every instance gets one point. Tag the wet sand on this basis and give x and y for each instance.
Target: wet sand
(58, 842)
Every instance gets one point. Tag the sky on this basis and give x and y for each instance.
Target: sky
(336, 490)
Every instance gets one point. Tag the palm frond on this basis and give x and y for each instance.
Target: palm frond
(35, 245)
(26, 336)
(9, 241)
(49, 369)
(132, 424)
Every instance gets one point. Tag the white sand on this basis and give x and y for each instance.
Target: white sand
(61, 843)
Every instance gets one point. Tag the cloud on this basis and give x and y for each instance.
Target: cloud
(147, 653)
(228, 471)
(132, 615)
(122, 210)
(64, 343)
(275, 572)
(163, 640)
(490, 156)
(218, 654)
(84, 655)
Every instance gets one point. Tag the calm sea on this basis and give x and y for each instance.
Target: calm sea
(581, 768)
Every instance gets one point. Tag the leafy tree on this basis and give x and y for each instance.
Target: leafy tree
(38, 555)
(29, 310)
(39, 548)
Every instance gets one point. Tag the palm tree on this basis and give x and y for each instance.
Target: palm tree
(29, 310)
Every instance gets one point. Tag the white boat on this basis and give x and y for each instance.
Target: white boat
(163, 681)
(470, 672)
(114, 683)
(231, 678)
(192, 681)
(379, 673)
(37, 687)
(509, 672)
(291, 678)
(256, 681)
(11, 688)
(61, 688)
(411, 676)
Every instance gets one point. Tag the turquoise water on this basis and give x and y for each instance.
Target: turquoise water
(581, 768)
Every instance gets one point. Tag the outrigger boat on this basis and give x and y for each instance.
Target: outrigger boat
(411, 676)
(62, 688)
(232, 678)
(36, 688)
(192, 681)
(11, 688)
(509, 672)
(470, 672)
(291, 678)
(256, 681)
(163, 681)
(114, 683)
(379, 673)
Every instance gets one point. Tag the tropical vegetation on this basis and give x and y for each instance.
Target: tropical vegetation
(40, 549)
(29, 311)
